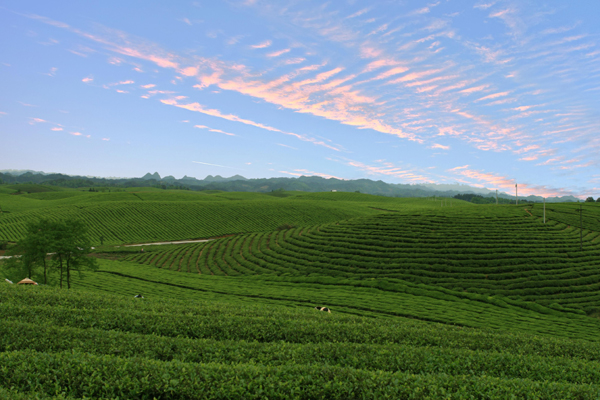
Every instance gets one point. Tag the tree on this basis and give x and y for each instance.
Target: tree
(67, 242)
(72, 246)
(589, 200)
(30, 253)
(598, 200)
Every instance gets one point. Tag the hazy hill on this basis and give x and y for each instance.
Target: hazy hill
(239, 183)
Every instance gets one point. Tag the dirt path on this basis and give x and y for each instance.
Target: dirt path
(145, 244)
(161, 243)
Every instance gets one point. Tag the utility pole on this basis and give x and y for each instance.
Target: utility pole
(516, 194)
(580, 227)
(544, 210)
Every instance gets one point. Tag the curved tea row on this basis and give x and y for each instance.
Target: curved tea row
(507, 254)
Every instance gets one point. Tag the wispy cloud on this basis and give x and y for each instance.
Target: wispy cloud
(213, 165)
(493, 96)
(52, 72)
(213, 130)
(33, 121)
(262, 45)
(79, 134)
(216, 113)
(278, 53)
(439, 146)
(395, 84)
(387, 169)
(497, 181)
(359, 13)
(285, 145)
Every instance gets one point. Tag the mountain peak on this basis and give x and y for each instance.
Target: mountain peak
(149, 176)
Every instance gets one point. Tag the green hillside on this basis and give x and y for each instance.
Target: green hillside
(497, 251)
(429, 299)
(133, 217)
(381, 298)
(76, 344)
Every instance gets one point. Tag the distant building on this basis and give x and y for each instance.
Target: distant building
(333, 190)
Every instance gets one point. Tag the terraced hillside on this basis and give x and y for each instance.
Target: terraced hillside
(80, 345)
(378, 298)
(497, 251)
(134, 217)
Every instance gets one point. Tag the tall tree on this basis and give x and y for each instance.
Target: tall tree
(71, 247)
(30, 253)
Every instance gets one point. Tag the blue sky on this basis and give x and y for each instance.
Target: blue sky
(486, 93)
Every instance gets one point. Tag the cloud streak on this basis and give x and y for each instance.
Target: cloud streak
(196, 107)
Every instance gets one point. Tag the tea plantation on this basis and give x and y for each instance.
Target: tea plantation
(82, 345)
(430, 299)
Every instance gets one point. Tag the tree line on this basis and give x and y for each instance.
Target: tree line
(51, 247)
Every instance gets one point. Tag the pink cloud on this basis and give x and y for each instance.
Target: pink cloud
(527, 148)
(56, 129)
(388, 169)
(491, 180)
(148, 86)
(439, 146)
(474, 89)
(391, 72)
(415, 75)
(278, 53)
(189, 71)
(106, 139)
(493, 96)
(213, 130)
(87, 79)
(458, 168)
(33, 121)
(387, 62)
(262, 45)
(297, 60)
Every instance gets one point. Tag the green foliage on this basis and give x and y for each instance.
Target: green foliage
(80, 345)
(487, 252)
(66, 242)
(129, 217)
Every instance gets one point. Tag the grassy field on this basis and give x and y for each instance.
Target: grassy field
(430, 299)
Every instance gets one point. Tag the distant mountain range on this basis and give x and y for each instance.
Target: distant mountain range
(239, 183)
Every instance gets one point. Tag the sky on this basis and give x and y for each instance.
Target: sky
(485, 93)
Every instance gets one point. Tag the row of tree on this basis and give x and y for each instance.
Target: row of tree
(59, 247)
